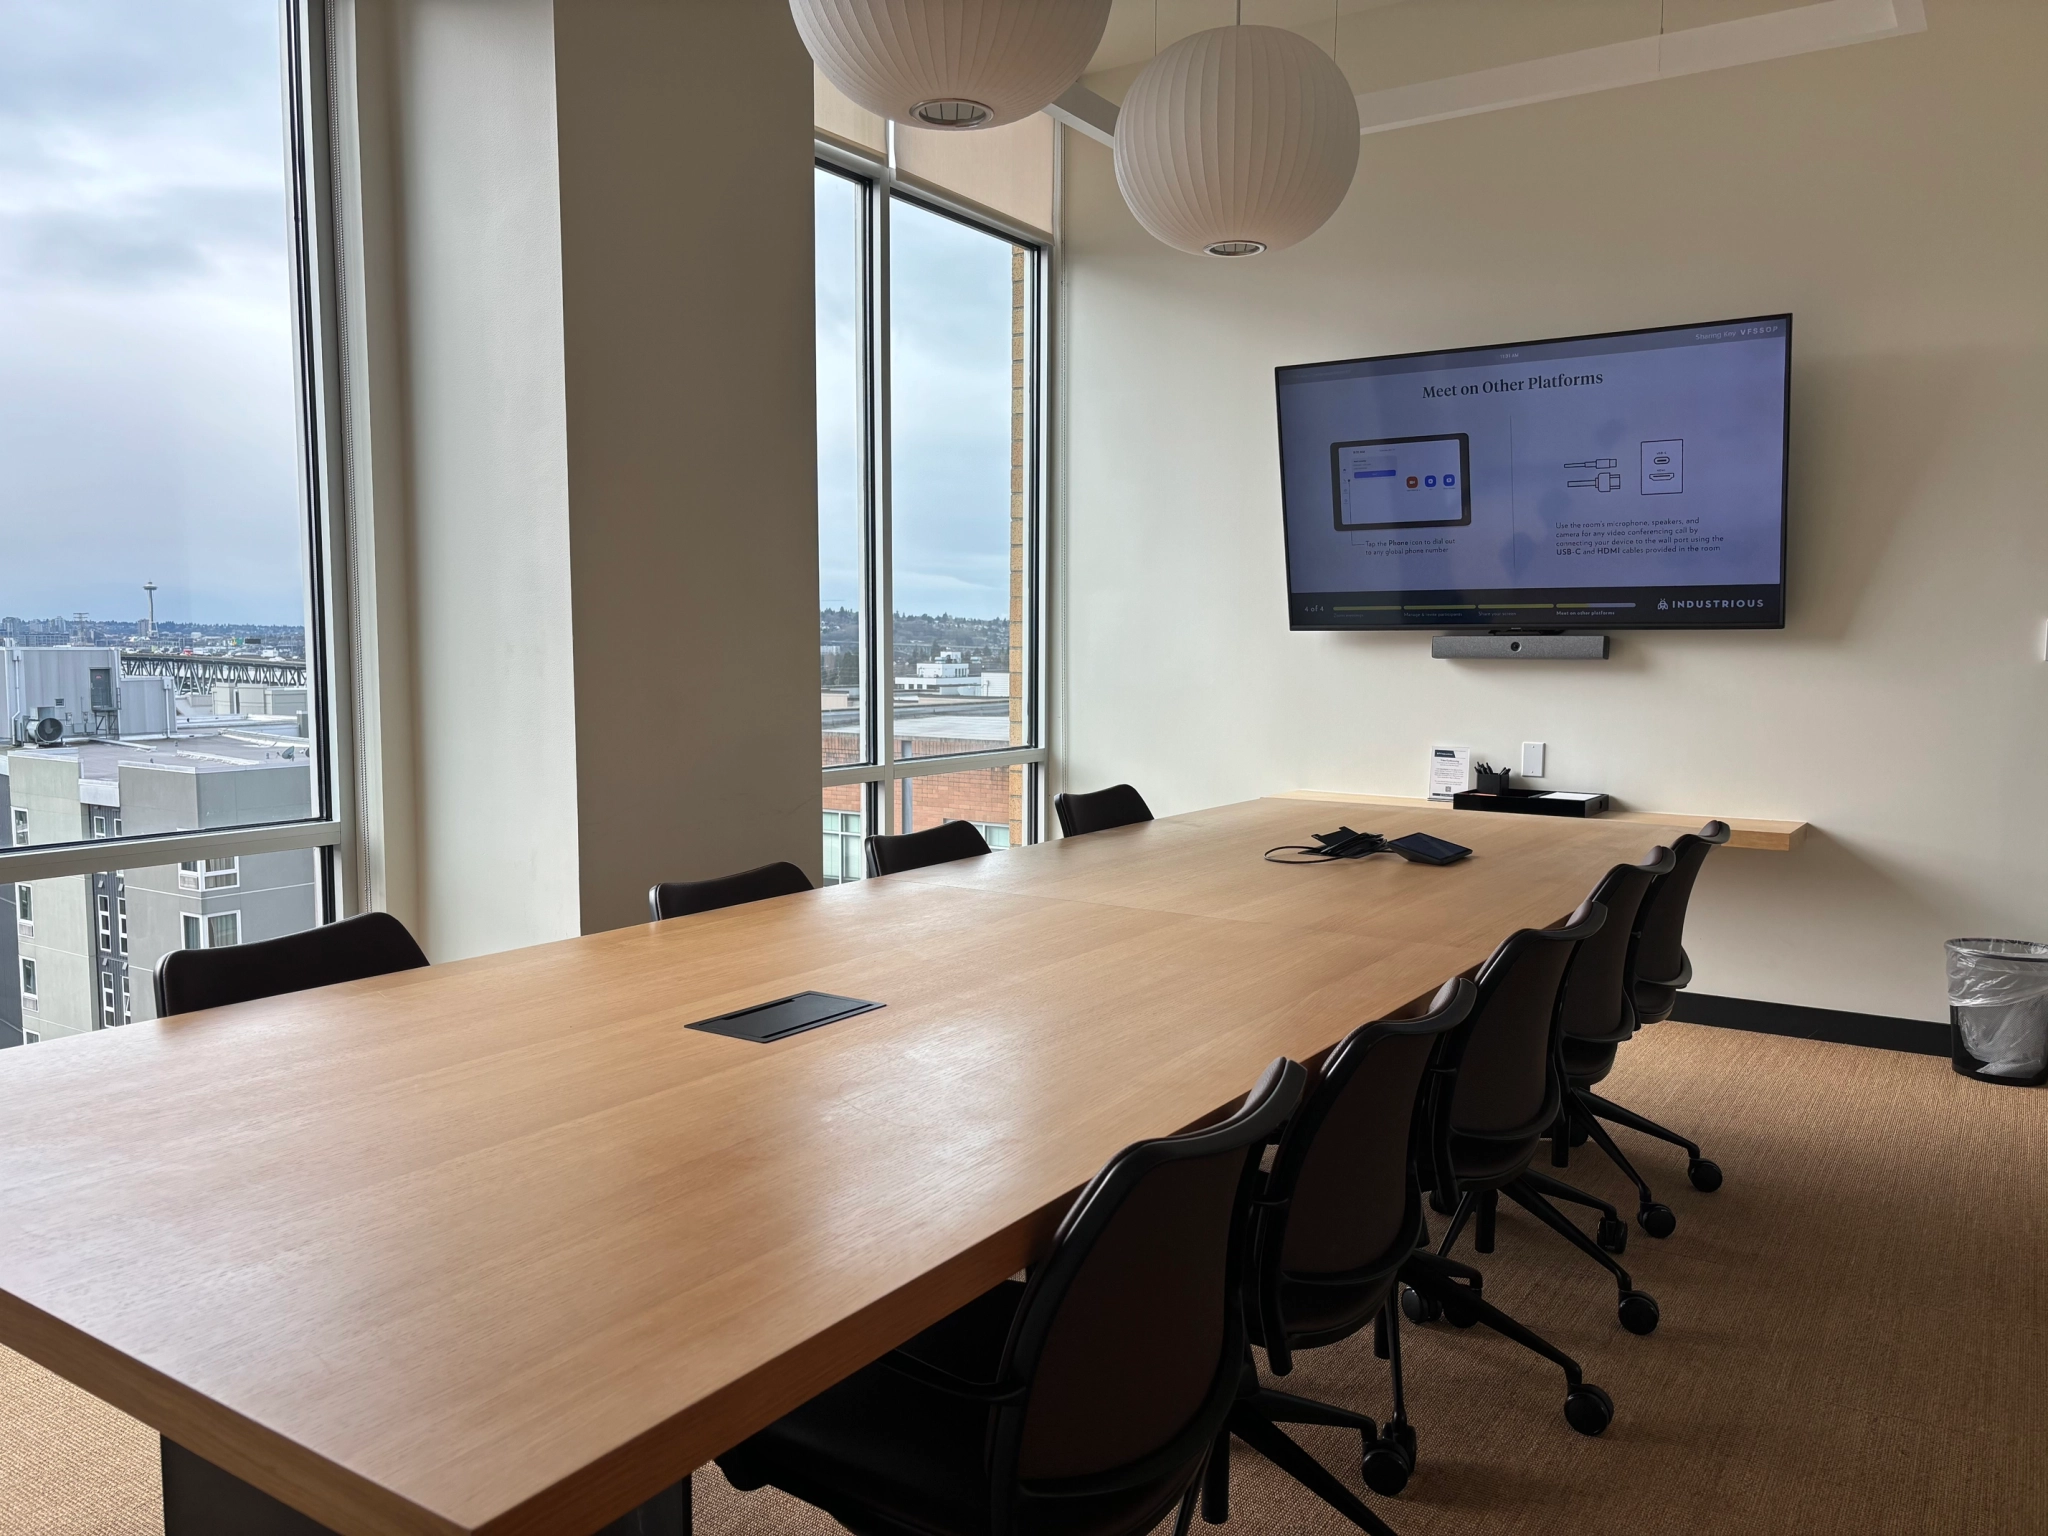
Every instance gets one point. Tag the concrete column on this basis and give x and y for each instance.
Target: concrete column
(591, 249)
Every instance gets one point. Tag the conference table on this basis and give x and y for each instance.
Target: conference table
(501, 1246)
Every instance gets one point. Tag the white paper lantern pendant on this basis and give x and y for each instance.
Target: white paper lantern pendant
(1237, 141)
(953, 64)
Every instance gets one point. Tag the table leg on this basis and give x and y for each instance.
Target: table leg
(202, 1500)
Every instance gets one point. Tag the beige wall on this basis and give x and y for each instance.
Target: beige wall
(686, 153)
(1888, 194)
(583, 454)
(478, 285)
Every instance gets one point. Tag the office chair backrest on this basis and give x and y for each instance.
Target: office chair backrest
(1118, 806)
(1343, 1198)
(375, 944)
(1598, 1003)
(1130, 1337)
(1660, 949)
(679, 898)
(1505, 1052)
(942, 844)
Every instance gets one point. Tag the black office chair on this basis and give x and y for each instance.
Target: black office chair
(1662, 971)
(1338, 1215)
(1509, 1089)
(1118, 806)
(1083, 1400)
(942, 844)
(1597, 1014)
(374, 944)
(679, 898)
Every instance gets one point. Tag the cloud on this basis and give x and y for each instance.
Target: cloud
(147, 394)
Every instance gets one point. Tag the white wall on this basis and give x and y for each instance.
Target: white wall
(1889, 194)
(582, 453)
(686, 165)
(479, 248)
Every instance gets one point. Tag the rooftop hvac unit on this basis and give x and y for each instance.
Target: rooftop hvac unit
(45, 730)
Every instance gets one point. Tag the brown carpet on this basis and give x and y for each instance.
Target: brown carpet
(1855, 1337)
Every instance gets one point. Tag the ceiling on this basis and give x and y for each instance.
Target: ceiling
(1383, 43)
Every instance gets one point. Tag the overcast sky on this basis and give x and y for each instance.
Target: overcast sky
(950, 314)
(147, 398)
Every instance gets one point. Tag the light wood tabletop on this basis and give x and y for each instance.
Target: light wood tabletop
(500, 1246)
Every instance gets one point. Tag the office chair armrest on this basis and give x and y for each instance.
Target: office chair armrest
(994, 1393)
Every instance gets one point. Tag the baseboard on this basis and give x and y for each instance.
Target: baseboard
(1918, 1036)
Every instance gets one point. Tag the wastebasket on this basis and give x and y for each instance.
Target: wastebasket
(1998, 1007)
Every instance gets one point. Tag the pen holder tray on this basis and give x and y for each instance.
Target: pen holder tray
(1527, 802)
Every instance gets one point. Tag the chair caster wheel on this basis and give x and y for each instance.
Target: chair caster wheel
(1588, 1409)
(1656, 1219)
(1580, 1135)
(1638, 1312)
(1418, 1308)
(1388, 1464)
(1442, 1204)
(1705, 1176)
(1613, 1234)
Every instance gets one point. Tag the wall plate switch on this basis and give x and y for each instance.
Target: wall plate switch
(1532, 759)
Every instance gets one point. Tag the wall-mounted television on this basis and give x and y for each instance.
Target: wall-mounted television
(1635, 480)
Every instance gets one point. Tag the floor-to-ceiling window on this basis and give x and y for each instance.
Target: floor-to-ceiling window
(929, 422)
(165, 663)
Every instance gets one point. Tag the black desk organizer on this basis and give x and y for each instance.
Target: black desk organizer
(1526, 802)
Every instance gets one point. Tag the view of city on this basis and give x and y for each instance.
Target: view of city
(153, 661)
(959, 332)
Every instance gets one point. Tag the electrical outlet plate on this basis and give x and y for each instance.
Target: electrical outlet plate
(1532, 759)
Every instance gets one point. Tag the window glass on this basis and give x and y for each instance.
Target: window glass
(154, 591)
(842, 479)
(960, 320)
(994, 799)
(98, 937)
(845, 833)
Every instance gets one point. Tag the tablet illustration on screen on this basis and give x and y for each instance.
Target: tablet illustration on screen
(1402, 482)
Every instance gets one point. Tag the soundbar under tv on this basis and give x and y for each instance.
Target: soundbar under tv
(1634, 480)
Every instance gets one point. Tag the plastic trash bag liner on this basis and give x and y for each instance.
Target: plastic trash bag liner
(1999, 990)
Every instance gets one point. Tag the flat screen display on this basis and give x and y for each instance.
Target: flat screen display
(1633, 480)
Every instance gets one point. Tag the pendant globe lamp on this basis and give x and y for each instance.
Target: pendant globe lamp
(952, 63)
(1237, 141)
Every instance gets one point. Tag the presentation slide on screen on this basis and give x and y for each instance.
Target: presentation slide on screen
(1636, 479)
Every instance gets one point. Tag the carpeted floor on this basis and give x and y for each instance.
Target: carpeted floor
(1854, 1337)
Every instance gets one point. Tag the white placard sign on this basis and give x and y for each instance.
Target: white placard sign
(1450, 772)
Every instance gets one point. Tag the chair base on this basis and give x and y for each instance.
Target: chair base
(1703, 1174)
(1440, 1287)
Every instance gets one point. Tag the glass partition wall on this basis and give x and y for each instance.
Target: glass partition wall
(929, 455)
(167, 778)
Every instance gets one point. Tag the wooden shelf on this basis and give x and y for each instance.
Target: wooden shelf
(1748, 831)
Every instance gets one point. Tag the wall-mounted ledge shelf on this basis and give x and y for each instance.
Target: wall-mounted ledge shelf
(1748, 832)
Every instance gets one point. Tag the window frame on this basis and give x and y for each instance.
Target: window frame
(877, 777)
(310, 168)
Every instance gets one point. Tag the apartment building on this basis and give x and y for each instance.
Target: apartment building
(83, 946)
